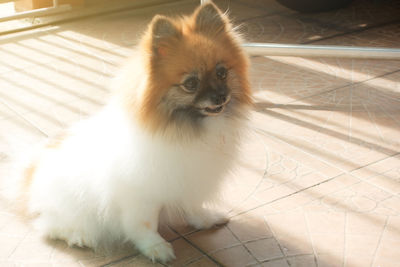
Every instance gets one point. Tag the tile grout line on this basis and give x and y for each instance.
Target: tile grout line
(281, 258)
(330, 164)
(260, 181)
(322, 182)
(111, 263)
(379, 241)
(311, 239)
(344, 237)
(373, 122)
(383, 24)
(243, 244)
(279, 244)
(196, 247)
(194, 260)
(24, 119)
(325, 131)
(348, 84)
(19, 243)
(389, 115)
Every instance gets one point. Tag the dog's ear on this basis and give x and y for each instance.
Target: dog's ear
(209, 20)
(163, 32)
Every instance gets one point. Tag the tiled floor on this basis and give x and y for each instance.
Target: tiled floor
(319, 181)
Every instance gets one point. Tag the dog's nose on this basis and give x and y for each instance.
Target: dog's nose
(218, 98)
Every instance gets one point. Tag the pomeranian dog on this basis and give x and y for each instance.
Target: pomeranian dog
(165, 141)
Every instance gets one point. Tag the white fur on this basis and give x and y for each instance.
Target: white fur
(109, 180)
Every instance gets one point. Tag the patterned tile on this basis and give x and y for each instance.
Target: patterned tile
(284, 29)
(385, 36)
(281, 80)
(349, 127)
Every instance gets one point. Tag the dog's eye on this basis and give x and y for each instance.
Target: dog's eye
(222, 72)
(191, 84)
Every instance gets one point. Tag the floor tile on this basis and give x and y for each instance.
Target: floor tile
(276, 263)
(202, 262)
(184, 252)
(213, 239)
(264, 249)
(234, 256)
(385, 36)
(248, 227)
(137, 261)
(284, 29)
(328, 125)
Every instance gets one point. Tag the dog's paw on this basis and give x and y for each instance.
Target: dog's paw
(162, 252)
(206, 220)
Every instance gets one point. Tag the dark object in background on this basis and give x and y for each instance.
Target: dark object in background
(309, 6)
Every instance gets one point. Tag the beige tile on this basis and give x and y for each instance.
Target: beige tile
(248, 174)
(371, 191)
(281, 80)
(264, 249)
(364, 224)
(326, 222)
(389, 181)
(249, 226)
(392, 203)
(384, 166)
(213, 239)
(138, 261)
(276, 263)
(8, 245)
(387, 254)
(329, 261)
(328, 126)
(274, 173)
(291, 203)
(303, 261)
(336, 184)
(360, 249)
(293, 237)
(202, 262)
(387, 249)
(166, 232)
(284, 29)
(384, 36)
(234, 256)
(278, 141)
(184, 252)
(329, 246)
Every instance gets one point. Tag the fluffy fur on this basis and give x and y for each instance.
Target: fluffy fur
(165, 141)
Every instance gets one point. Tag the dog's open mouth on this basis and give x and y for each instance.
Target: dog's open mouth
(214, 110)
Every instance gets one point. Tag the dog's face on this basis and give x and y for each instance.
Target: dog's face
(197, 70)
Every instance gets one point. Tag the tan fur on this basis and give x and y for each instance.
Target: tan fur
(29, 174)
(23, 196)
(56, 141)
